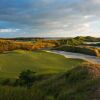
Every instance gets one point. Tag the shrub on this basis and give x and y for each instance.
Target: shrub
(27, 78)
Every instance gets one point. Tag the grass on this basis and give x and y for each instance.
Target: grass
(12, 63)
(73, 81)
(76, 84)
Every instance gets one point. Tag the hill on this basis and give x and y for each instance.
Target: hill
(79, 83)
(57, 77)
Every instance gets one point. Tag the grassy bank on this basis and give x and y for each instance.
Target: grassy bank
(79, 83)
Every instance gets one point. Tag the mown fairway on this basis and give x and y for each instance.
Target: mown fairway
(12, 63)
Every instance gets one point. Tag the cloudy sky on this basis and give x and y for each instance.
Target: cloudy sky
(49, 18)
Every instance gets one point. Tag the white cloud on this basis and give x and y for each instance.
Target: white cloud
(86, 25)
(88, 16)
(96, 1)
(8, 30)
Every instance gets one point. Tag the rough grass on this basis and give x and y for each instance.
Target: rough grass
(78, 83)
(12, 63)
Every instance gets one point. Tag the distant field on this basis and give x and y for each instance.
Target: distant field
(12, 63)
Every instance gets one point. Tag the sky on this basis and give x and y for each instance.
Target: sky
(49, 18)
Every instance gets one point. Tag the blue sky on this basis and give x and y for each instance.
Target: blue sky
(49, 18)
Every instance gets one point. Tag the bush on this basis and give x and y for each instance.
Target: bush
(27, 78)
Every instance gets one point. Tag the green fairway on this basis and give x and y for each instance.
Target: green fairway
(12, 63)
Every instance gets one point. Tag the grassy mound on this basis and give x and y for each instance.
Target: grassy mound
(12, 63)
(78, 83)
